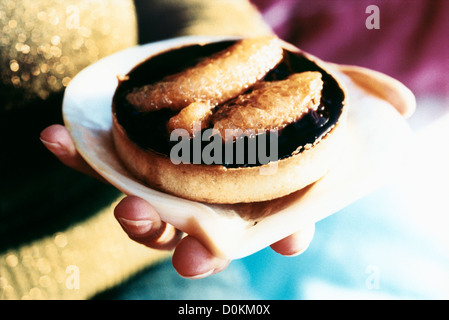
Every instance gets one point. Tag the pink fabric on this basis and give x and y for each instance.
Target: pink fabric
(411, 45)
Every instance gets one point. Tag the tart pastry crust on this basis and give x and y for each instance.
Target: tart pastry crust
(265, 105)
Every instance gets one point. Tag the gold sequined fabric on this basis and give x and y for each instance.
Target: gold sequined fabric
(75, 263)
(45, 43)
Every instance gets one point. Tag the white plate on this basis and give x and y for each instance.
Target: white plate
(376, 148)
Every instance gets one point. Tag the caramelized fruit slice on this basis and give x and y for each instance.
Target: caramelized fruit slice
(215, 79)
(192, 118)
(270, 105)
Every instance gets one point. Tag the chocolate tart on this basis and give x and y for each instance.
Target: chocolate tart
(306, 148)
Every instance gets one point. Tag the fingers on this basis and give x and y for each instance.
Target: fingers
(138, 218)
(143, 225)
(296, 243)
(58, 141)
(192, 260)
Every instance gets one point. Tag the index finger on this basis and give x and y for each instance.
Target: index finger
(58, 141)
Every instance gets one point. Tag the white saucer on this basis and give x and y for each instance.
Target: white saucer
(375, 151)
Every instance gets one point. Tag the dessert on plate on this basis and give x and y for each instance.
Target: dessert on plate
(231, 121)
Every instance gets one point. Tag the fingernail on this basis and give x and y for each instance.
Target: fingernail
(297, 253)
(55, 148)
(207, 273)
(199, 276)
(136, 227)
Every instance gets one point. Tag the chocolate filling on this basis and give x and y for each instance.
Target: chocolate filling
(148, 130)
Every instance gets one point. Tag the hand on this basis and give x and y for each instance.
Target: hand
(143, 224)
